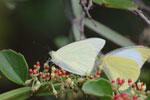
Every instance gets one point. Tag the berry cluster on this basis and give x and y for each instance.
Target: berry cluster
(135, 91)
(52, 75)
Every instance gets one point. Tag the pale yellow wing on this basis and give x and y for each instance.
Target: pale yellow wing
(119, 67)
(78, 57)
(125, 63)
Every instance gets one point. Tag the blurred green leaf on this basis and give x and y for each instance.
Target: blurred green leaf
(76, 8)
(121, 4)
(13, 66)
(148, 98)
(17, 94)
(77, 12)
(61, 41)
(101, 88)
(108, 33)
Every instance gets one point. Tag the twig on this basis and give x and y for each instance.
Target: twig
(87, 8)
(140, 14)
(82, 26)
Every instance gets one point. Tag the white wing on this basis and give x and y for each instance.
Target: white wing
(78, 57)
(139, 54)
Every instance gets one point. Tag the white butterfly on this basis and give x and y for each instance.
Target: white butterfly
(78, 57)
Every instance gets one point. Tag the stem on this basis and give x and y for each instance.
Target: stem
(140, 14)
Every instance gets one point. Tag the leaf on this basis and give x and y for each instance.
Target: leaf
(121, 4)
(108, 33)
(77, 12)
(101, 88)
(61, 41)
(76, 8)
(148, 98)
(17, 94)
(13, 66)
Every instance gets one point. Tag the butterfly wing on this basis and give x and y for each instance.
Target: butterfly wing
(78, 57)
(125, 63)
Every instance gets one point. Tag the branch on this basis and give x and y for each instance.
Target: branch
(87, 8)
(140, 14)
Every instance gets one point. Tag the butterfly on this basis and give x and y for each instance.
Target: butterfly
(125, 63)
(78, 57)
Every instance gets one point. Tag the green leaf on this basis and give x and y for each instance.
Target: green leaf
(121, 4)
(13, 66)
(77, 12)
(108, 33)
(17, 94)
(61, 41)
(101, 88)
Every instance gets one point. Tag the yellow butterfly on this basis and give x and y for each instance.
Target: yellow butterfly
(125, 63)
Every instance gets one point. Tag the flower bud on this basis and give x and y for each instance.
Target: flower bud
(53, 69)
(55, 92)
(87, 74)
(37, 85)
(38, 63)
(99, 68)
(144, 87)
(52, 75)
(80, 80)
(132, 92)
(139, 85)
(69, 81)
(27, 82)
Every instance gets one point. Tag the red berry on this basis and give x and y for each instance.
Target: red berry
(98, 73)
(134, 85)
(63, 72)
(47, 67)
(48, 75)
(56, 70)
(35, 67)
(122, 81)
(118, 79)
(129, 81)
(117, 96)
(30, 71)
(134, 97)
(113, 81)
(55, 76)
(142, 84)
(38, 63)
(60, 74)
(41, 74)
(34, 72)
(119, 83)
(32, 91)
(44, 77)
(91, 77)
(123, 94)
(66, 77)
(139, 89)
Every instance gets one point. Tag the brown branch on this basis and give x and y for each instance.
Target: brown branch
(87, 8)
(82, 25)
(140, 14)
